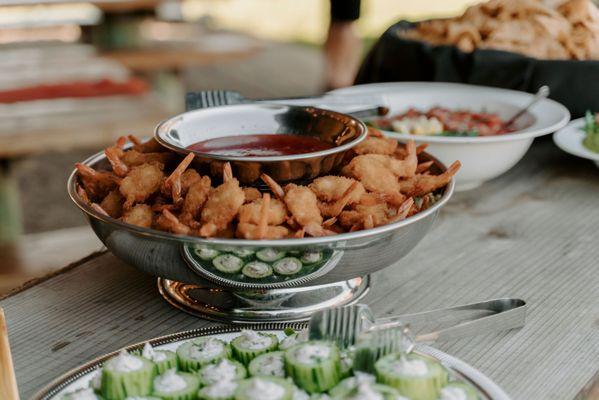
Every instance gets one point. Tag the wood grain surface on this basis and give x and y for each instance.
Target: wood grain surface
(530, 234)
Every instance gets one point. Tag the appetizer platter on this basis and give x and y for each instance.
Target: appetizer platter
(274, 360)
(580, 137)
(464, 122)
(276, 235)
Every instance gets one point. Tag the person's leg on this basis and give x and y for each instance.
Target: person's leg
(343, 47)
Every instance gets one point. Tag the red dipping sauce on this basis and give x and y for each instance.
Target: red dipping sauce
(261, 145)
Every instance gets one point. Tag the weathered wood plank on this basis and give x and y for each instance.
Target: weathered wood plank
(529, 234)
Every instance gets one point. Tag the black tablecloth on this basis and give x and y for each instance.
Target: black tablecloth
(575, 84)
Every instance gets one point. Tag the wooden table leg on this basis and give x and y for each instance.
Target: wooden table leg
(11, 225)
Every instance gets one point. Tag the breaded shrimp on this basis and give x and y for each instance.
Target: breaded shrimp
(169, 222)
(376, 143)
(96, 183)
(335, 193)
(114, 154)
(140, 215)
(302, 204)
(113, 204)
(251, 212)
(172, 184)
(422, 184)
(222, 205)
(251, 194)
(140, 183)
(250, 231)
(194, 201)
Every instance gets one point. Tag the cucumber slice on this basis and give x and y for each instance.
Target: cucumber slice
(312, 257)
(268, 364)
(414, 376)
(269, 254)
(458, 390)
(222, 370)
(349, 384)
(228, 263)
(243, 253)
(206, 253)
(164, 359)
(287, 266)
(314, 365)
(251, 344)
(293, 339)
(346, 363)
(173, 385)
(127, 375)
(370, 391)
(81, 394)
(196, 353)
(256, 270)
(264, 387)
(223, 390)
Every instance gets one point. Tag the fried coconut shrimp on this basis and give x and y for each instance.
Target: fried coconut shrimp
(222, 205)
(196, 197)
(373, 211)
(173, 184)
(376, 143)
(336, 192)
(112, 204)
(140, 183)
(140, 215)
(121, 161)
(303, 206)
(96, 183)
(167, 221)
(422, 184)
(261, 219)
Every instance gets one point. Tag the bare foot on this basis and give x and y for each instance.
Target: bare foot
(343, 53)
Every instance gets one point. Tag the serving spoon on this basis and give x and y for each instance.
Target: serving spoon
(541, 94)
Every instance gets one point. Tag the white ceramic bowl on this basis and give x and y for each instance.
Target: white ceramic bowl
(482, 158)
(569, 139)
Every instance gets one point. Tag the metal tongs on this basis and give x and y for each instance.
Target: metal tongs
(356, 324)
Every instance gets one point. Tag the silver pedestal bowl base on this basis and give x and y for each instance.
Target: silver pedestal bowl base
(275, 305)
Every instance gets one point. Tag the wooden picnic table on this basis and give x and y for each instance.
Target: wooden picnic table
(529, 234)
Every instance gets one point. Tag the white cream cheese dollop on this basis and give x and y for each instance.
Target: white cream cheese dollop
(151, 354)
(169, 382)
(206, 350)
(124, 362)
(223, 370)
(255, 340)
(453, 393)
(264, 390)
(312, 352)
(273, 366)
(410, 367)
(224, 389)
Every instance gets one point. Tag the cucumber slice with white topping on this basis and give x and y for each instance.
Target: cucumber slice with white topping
(287, 266)
(311, 257)
(269, 254)
(243, 253)
(314, 365)
(414, 376)
(264, 387)
(458, 390)
(173, 385)
(251, 344)
(223, 390)
(222, 370)
(256, 270)
(228, 263)
(164, 359)
(127, 375)
(206, 253)
(196, 353)
(268, 364)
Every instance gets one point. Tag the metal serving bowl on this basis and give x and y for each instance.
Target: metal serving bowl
(341, 130)
(342, 279)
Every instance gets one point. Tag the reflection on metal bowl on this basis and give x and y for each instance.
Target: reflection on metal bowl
(343, 281)
(339, 130)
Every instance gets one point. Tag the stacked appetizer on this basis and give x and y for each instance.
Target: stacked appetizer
(257, 366)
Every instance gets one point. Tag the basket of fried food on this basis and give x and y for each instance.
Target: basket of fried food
(148, 186)
(514, 44)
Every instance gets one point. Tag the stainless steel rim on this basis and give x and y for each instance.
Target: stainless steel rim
(367, 233)
(486, 386)
(337, 149)
(319, 296)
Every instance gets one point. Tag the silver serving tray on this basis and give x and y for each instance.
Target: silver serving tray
(81, 376)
